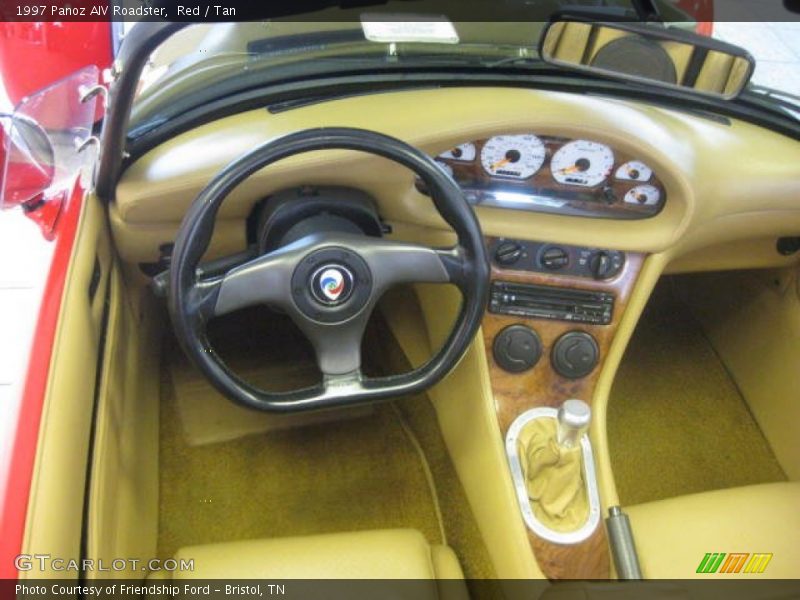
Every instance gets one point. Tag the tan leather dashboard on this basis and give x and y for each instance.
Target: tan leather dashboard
(724, 181)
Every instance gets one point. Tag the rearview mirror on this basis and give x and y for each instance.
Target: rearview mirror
(652, 54)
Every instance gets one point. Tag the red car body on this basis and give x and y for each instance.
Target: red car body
(32, 56)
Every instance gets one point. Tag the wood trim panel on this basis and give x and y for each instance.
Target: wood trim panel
(577, 200)
(587, 560)
(543, 386)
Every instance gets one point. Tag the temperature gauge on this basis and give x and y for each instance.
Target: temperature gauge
(634, 171)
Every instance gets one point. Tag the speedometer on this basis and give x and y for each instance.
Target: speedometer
(582, 163)
(517, 156)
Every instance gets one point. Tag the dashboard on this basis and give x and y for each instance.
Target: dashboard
(525, 171)
(730, 189)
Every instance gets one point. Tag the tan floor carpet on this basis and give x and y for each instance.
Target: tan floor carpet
(677, 423)
(360, 471)
(349, 475)
(229, 475)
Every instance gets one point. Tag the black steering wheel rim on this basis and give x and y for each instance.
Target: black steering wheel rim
(467, 264)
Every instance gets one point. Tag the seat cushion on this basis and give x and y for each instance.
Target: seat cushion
(384, 554)
(672, 536)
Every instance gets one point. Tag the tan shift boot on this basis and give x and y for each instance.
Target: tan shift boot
(554, 476)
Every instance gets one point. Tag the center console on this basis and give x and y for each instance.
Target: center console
(553, 314)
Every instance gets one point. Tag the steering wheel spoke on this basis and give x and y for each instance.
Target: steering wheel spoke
(202, 299)
(337, 346)
(264, 280)
(393, 263)
(344, 385)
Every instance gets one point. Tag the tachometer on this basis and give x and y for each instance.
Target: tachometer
(646, 195)
(464, 152)
(517, 156)
(582, 163)
(634, 171)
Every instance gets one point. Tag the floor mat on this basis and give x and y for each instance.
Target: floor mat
(345, 475)
(677, 423)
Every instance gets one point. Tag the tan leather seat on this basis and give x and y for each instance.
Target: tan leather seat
(672, 536)
(383, 554)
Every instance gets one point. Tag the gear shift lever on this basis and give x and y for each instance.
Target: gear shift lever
(553, 469)
(574, 417)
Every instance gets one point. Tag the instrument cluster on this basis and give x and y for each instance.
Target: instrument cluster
(556, 175)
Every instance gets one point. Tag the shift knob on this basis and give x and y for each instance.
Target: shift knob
(574, 417)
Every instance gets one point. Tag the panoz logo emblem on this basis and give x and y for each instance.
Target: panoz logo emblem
(331, 284)
(735, 562)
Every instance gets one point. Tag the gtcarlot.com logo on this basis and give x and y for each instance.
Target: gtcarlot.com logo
(46, 562)
(734, 562)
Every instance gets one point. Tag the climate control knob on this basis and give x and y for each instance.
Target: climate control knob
(554, 258)
(605, 264)
(508, 253)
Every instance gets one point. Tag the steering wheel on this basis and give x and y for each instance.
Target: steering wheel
(327, 283)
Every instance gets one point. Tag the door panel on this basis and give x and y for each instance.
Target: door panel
(122, 519)
(56, 503)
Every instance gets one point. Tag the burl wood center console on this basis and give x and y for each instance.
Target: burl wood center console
(553, 313)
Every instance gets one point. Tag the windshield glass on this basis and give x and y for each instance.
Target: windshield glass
(244, 54)
(206, 62)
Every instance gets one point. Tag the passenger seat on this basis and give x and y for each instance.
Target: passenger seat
(673, 536)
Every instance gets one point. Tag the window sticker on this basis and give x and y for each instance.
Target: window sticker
(436, 30)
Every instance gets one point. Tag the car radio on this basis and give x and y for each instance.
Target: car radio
(546, 302)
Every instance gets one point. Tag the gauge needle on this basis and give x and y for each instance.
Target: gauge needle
(572, 169)
(500, 163)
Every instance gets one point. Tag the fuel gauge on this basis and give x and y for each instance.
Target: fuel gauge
(644, 195)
